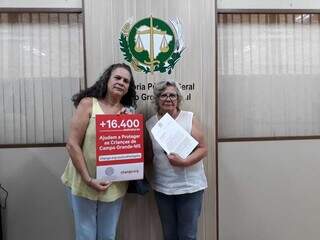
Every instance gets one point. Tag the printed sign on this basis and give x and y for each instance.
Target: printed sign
(119, 147)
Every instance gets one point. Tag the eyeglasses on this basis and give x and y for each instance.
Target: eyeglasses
(171, 96)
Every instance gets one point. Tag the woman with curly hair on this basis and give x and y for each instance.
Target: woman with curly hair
(96, 204)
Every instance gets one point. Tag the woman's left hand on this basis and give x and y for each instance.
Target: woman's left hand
(125, 110)
(176, 160)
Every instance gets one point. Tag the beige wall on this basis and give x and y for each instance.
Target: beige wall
(103, 22)
(269, 190)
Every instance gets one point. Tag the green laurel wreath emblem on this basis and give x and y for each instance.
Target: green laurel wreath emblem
(162, 51)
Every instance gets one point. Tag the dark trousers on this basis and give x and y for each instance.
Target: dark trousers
(179, 214)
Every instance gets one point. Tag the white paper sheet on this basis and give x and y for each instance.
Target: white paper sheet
(172, 137)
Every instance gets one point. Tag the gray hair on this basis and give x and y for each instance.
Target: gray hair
(161, 86)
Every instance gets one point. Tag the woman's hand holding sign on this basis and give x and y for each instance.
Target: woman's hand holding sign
(98, 185)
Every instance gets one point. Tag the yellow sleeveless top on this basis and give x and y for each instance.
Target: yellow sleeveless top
(71, 178)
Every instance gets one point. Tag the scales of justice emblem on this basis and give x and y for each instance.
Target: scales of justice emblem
(151, 44)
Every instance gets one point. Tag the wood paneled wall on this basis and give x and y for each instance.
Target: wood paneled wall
(103, 22)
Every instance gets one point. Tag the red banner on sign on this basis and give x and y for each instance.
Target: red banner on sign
(119, 139)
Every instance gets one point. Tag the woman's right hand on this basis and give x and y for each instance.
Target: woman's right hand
(98, 185)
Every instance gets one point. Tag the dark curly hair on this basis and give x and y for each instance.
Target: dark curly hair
(99, 89)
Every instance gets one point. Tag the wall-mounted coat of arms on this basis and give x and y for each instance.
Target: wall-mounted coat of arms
(151, 44)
